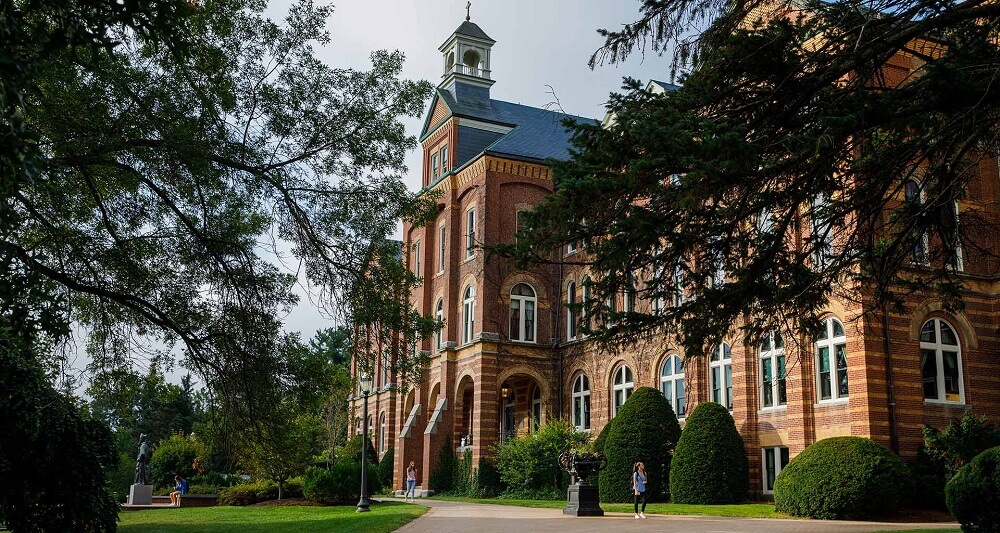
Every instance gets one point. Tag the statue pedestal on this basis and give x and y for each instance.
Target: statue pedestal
(583, 500)
(140, 495)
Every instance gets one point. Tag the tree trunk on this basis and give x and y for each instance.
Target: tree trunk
(281, 486)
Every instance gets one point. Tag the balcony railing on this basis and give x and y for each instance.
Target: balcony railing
(460, 68)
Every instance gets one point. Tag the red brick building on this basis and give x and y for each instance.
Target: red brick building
(510, 356)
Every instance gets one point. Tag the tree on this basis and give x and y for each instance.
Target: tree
(788, 119)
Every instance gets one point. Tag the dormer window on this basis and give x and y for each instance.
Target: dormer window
(434, 165)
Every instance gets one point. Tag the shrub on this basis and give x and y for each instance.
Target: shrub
(203, 489)
(338, 484)
(973, 494)
(961, 441)
(385, 468)
(710, 464)
(842, 478)
(260, 491)
(646, 430)
(531, 461)
(174, 456)
(603, 436)
(351, 451)
(464, 474)
(443, 478)
(487, 482)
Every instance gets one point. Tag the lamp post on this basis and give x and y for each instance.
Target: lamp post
(366, 389)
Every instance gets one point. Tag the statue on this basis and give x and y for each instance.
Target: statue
(142, 462)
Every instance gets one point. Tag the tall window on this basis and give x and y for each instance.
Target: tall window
(585, 316)
(571, 248)
(571, 311)
(628, 297)
(581, 402)
(439, 335)
(831, 361)
(621, 388)
(468, 313)
(941, 362)
(772, 371)
(522, 313)
(720, 366)
(444, 159)
(775, 460)
(416, 258)
(672, 383)
(386, 368)
(822, 231)
(434, 165)
(678, 284)
(611, 306)
(442, 233)
(954, 241)
(509, 430)
(915, 198)
(520, 223)
(381, 434)
(470, 237)
(536, 409)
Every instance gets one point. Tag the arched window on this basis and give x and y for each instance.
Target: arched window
(581, 402)
(772, 371)
(522, 313)
(468, 313)
(941, 362)
(672, 383)
(621, 388)
(585, 317)
(720, 366)
(571, 312)
(381, 435)
(915, 198)
(536, 409)
(439, 336)
(831, 361)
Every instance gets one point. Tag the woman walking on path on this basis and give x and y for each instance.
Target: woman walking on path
(411, 482)
(639, 488)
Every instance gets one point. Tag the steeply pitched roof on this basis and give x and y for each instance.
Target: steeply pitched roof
(471, 29)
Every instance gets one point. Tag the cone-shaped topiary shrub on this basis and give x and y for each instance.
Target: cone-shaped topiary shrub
(842, 478)
(710, 464)
(385, 468)
(973, 495)
(645, 430)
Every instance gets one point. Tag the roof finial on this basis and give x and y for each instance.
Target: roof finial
(468, 8)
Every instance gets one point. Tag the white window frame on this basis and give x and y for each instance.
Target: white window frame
(381, 434)
(924, 256)
(622, 387)
(444, 159)
(439, 334)
(672, 380)
(524, 303)
(775, 453)
(536, 409)
(470, 238)
(959, 263)
(679, 295)
(939, 348)
(434, 165)
(772, 355)
(468, 313)
(416, 258)
(581, 403)
(822, 232)
(572, 322)
(831, 342)
(721, 359)
(386, 367)
(585, 300)
(571, 248)
(442, 247)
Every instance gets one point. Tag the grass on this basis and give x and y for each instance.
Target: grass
(744, 510)
(384, 517)
(956, 530)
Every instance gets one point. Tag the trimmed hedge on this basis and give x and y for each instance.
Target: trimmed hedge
(646, 430)
(842, 478)
(973, 495)
(260, 491)
(710, 464)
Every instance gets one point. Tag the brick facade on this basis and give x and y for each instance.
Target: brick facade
(473, 376)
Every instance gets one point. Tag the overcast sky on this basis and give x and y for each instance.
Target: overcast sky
(539, 43)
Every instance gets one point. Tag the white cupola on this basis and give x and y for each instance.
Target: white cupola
(466, 56)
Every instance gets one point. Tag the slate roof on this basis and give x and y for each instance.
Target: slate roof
(471, 29)
(538, 134)
(666, 86)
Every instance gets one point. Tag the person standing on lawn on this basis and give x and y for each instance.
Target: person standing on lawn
(411, 482)
(639, 488)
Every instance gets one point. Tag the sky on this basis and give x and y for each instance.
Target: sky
(542, 47)
(541, 54)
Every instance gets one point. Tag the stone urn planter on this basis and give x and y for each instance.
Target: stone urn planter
(582, 497)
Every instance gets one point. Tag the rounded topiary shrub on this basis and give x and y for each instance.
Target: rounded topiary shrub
(973, 495)
(646, 430)
(710, 464)
(842, 478)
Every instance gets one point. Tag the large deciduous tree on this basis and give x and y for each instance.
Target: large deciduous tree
(776, 175)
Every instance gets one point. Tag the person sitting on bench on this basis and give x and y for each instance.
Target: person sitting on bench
(181, 488)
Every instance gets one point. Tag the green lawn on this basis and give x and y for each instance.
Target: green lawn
(746, 510)
(384, 517)
(956, 530)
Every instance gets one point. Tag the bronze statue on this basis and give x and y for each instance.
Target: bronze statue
(142, 476)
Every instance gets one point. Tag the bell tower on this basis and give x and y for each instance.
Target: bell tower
(466, 57)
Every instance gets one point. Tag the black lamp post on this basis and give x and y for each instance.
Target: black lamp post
(366, 389)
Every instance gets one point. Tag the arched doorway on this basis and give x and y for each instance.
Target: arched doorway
(521, 408)
(465, 408)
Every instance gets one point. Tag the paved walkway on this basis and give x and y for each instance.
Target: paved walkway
(456, 517)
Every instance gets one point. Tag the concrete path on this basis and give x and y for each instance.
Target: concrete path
(456, 517)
